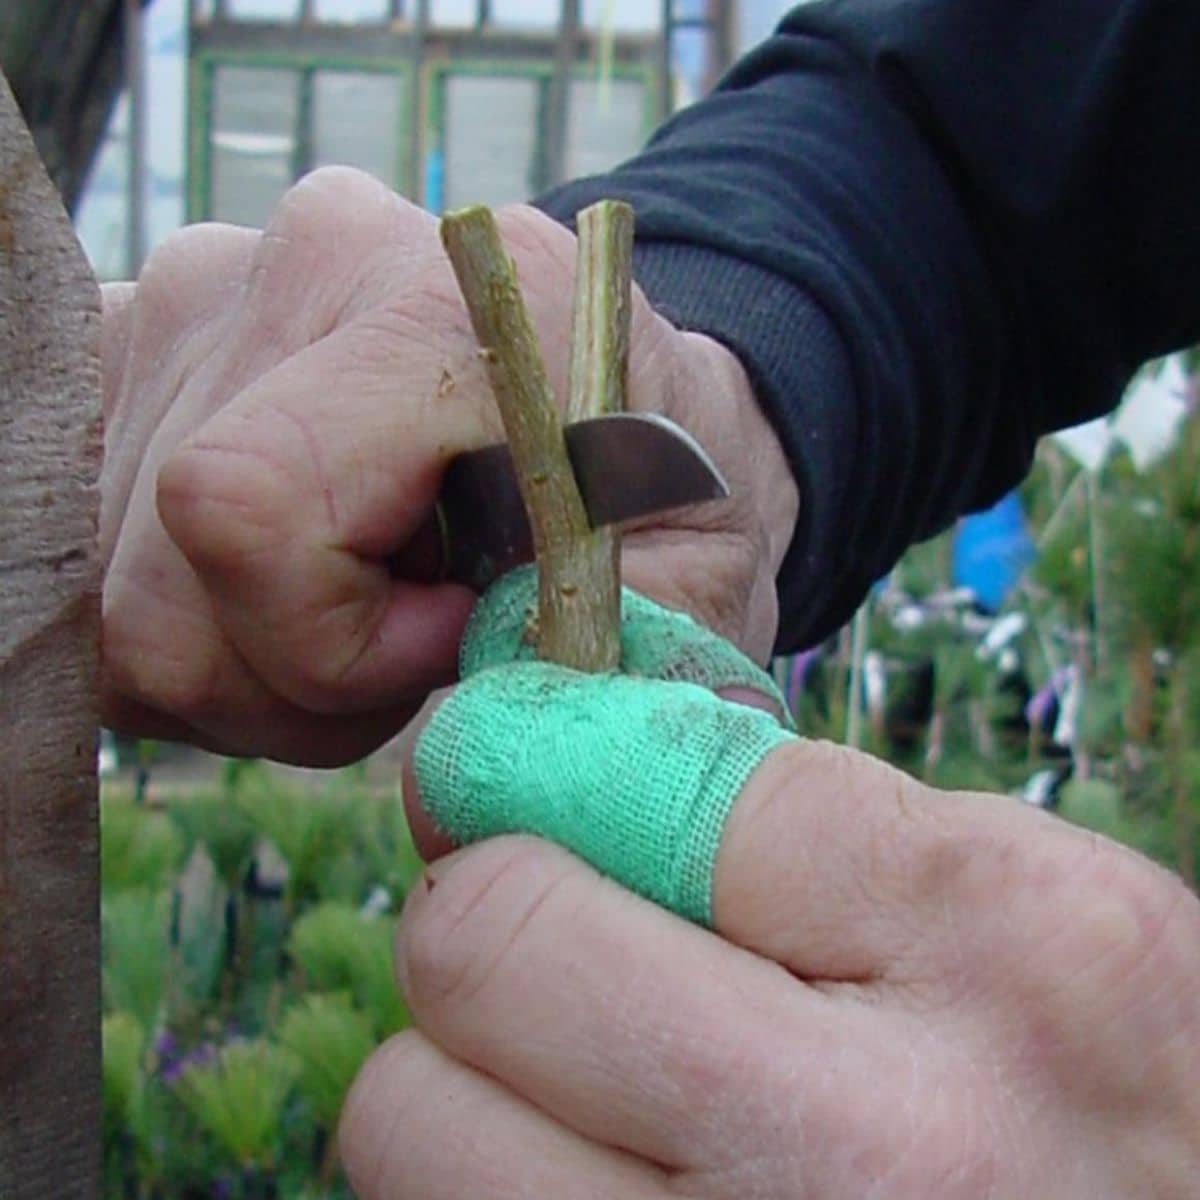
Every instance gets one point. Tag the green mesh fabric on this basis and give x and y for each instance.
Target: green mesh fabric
(656, 642)
(634, 774)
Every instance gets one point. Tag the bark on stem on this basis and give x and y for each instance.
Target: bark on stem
(599, 370)
(570, 627)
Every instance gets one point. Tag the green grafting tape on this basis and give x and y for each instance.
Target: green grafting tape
(635, 775)
(656, 642)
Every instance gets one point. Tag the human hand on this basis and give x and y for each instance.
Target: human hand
(280, 407)
(915, 994)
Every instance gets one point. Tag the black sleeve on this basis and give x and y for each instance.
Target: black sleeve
(931, 230)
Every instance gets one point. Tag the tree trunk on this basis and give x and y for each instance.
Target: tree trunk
(49, 587)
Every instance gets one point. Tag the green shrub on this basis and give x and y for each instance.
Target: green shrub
(227, 834)
(136, 955)
(340, 950)
(329, 1039)
(238, 1099)
(310, 831)
(139, 848)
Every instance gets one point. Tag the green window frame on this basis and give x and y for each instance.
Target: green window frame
(442, 71)
(203, 70)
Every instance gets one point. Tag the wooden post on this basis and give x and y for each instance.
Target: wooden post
(50, 439)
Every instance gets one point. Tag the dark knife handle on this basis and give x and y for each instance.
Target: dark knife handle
(485, 531)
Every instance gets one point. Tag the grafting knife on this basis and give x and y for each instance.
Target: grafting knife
(627, 465)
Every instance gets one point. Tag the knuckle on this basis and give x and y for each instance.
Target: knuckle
(325, 196)
(1089, 952)
(323, 643)
(470, 930)
(221, 503)
(528, 230)
(181, 253)
(144, 663)
(189, 276)
(1136, 922)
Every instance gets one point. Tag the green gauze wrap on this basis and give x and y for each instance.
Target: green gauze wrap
(634, 772)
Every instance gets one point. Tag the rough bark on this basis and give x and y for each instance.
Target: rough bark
(49, 874)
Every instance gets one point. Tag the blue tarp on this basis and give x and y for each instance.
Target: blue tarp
(992, 549)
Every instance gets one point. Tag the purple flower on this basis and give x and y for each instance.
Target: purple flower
(1045, 700)
(796, 671)
(171, 1068)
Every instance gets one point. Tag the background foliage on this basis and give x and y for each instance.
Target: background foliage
(248, 923)
(247, 975)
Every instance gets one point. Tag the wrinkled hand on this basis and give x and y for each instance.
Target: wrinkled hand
(915, 995)
(280, 407)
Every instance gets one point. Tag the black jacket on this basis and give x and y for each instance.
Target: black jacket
(932, 230)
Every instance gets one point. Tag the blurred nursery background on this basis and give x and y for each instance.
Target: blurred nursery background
(1045, 650)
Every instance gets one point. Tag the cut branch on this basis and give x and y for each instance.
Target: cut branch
(569, 622)
(600, 332)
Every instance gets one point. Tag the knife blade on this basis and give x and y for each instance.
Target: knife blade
(627, 465)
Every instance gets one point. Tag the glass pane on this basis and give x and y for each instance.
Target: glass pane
(166, 91)
(346, 11)
(102, 218)
(451, 12)
(605, 125)
(691, 49)
(263, 10)
(490, 139)
(526, 13)
(356, 121)
(253, 141)
(624, 16)
(754, 22)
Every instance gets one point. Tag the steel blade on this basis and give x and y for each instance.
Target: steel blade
(627, 465)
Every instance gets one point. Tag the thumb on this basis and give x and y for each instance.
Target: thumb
(636, 776)
(818, 857)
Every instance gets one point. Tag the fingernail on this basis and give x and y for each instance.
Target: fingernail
(752, 699)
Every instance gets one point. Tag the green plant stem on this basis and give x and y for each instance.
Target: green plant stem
(568, 616)
(600, 332)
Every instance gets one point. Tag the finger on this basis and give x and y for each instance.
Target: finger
(637, 1029)
(116, 334)
(292, 499)
(714, 812)
(249, 301)
(155, 337)
(338, 242)
(420, 1126)
(430, 841)
(890, 876)
(169, 672)
(657, 642)
(288, 507)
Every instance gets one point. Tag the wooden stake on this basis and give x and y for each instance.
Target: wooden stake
(50, 440)
(574, 608)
